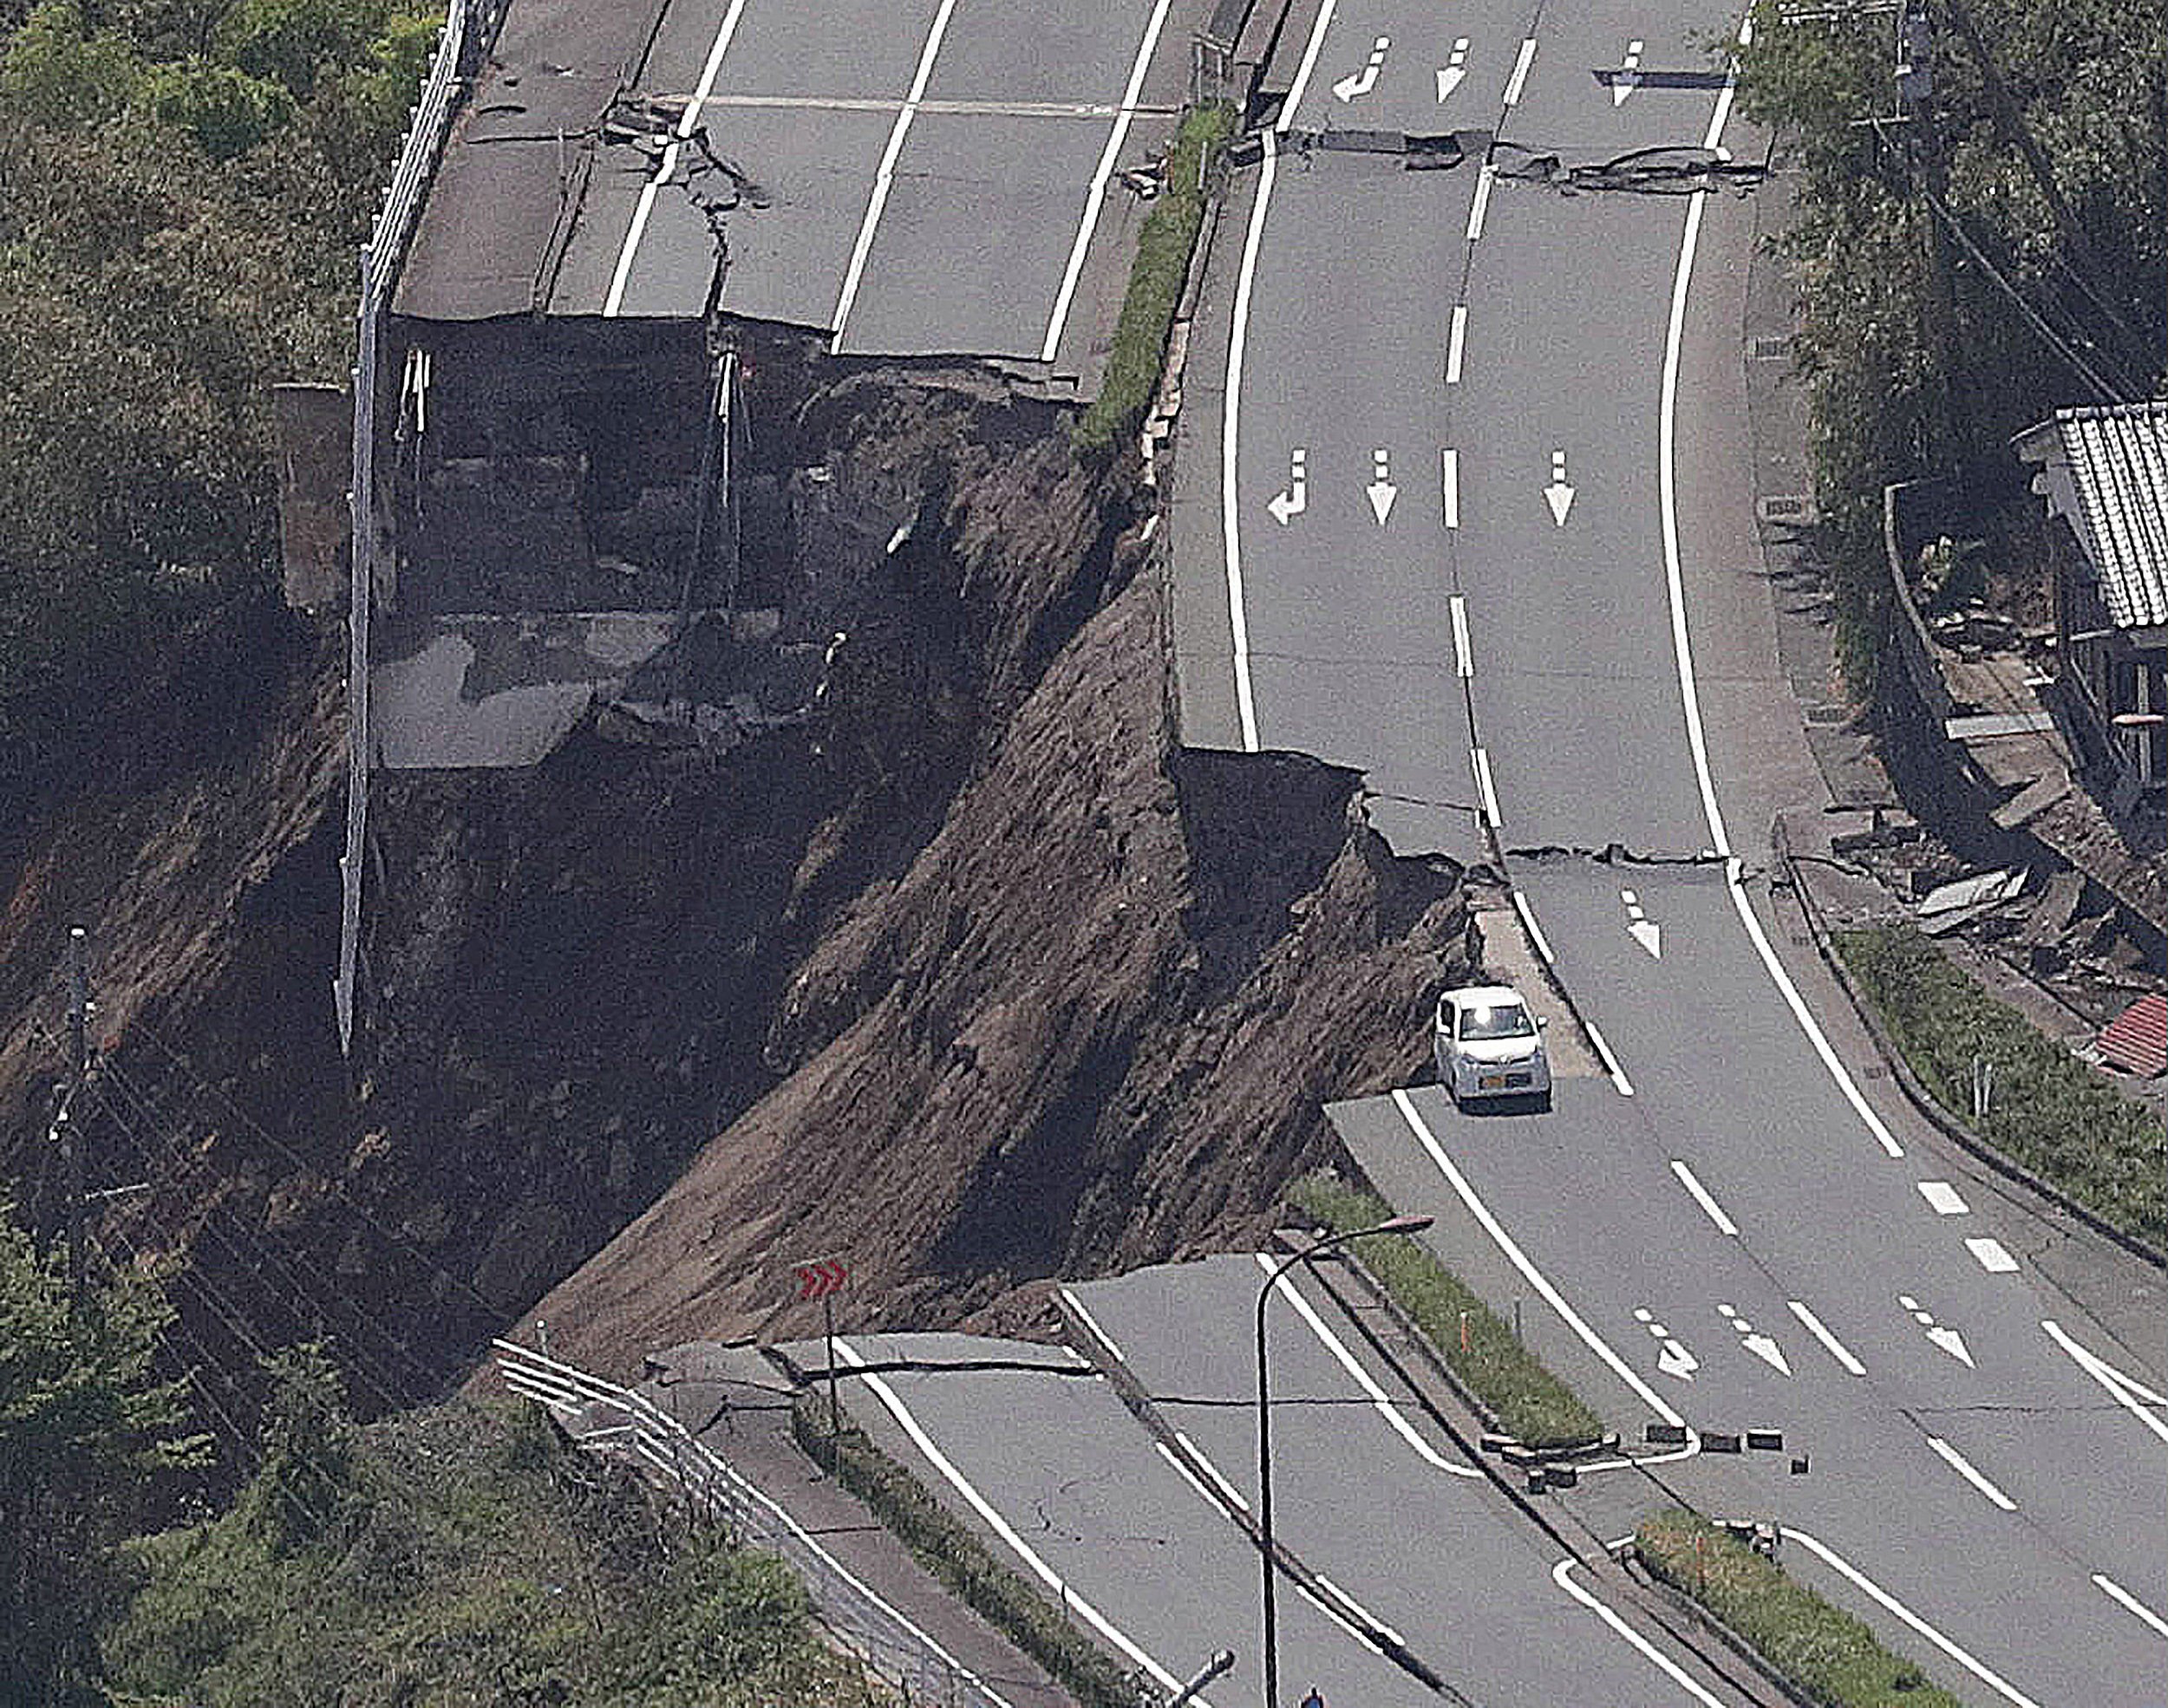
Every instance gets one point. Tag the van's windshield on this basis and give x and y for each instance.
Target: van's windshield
(1503, 1020)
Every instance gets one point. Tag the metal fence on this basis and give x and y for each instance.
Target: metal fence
(606, 1418)
(380, 269)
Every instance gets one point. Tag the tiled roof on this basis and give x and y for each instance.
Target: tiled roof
(2107, 473)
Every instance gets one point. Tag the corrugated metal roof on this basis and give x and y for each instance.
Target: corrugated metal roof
(2115, 496)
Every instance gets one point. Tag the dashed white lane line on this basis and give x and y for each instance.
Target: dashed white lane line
(885, 179)
(1957, 1461)
(1449, 486)
(1562, 1574)
(1610, 1061)
(1535, 931)
(1456, 342)
(1519, 81)
(1092, 1322)
(1429, 1455)
(1724, 1225)
(1482, 762)
(1482, 202)
(1000, 1526)
(1831, 1344)
(1463, 659)
(1941, 1198)
(1182, 1470)
(1993, 1258)
(1358, 1609)
(687, 120)
(1867, 1585)
(2132, 1395)
(2129, 1603)
(1096, 199)
(1518, 1259)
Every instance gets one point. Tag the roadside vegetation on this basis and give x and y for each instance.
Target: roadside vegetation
(2048, 1113)
(1825, 1653)
(183, 184)
(955, 1555)
(1531, 1404)
(1156, 278)
(1907, 380)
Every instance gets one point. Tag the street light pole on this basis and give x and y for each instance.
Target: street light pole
(1399, 1224)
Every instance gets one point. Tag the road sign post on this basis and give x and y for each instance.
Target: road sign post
(822, 1279)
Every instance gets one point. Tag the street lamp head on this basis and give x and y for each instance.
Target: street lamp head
(1403, 1224)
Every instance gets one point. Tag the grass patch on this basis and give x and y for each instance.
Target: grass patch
(955, 1557)
(1832, 1657)
(1155, 279)
(1531, 1404)
(2049, 1113)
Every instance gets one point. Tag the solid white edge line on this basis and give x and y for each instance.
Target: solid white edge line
(1463, 662)
(1666, 489)
(1867, 1585)
(1230, 514)
(1957, 1461)
(1518, 1259)
(1724, 1225)
(1449, 489)
(688, 122)
(1482, 201)
(1831, 1344)
(884, 177)
(1000, 1526)
(1562, 1574)
(1482, 761)
(1092, 1323)
(2129, 1603)
(1310, 50)
(1096, 199)
(1379, 1398)
(1610, 1061)
(1519, 78)
(1455, 342)
(1212, 1471)
(2120, 1388)
(1535, 931)
(1357, 1608)
(1189, 1476)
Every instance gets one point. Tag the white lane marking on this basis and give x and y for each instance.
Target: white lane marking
(1957, 1461)
(1338, 1618)
(1463, 658)
(1993, 1258)
(1724, 1225)
(1562, 1574)
(1363, 81)
(1230, 520)
(1867, 1585)
(1518, 1259)
(1831, 1344)
(1519, 78)
(2115, 1592)
(1667, 483)
(1188, 1476)
(885, 179)
(1482, 762)
(1358, 1609)
(1449, 484)
(1233, 1493)
(1535, 931)
(2122, 1389)
(1096, 199)
(1482, 201)
(687, 122)
(1378, 1397)
(1941, 1198)
(1456, 342)
(1286, 120)
(1610, 1061)
(1000, 1526)
(1092, 1323)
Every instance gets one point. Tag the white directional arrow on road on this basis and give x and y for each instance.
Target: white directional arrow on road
(1296, 499)
(1674, 1360)
(1628, 77)
(1645, 930)
(1558, 494)
(1365, 80)
(1948, 1339)
(1454, 68)
(1760, 1344)
(1381, 490)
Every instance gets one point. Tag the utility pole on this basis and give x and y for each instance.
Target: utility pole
(1915, 76)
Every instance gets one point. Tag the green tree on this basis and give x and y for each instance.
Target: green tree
(87, 1434)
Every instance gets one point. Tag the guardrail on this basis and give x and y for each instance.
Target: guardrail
(603, 1417)
(379, 270)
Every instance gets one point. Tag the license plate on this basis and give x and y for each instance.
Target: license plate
(1499, 1082)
